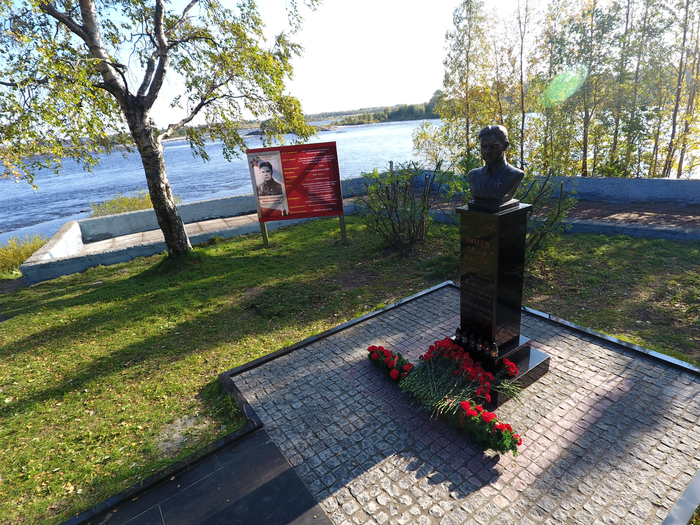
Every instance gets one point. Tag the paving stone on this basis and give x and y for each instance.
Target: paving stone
(610, 437)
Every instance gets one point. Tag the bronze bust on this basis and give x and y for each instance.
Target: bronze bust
(493, 185)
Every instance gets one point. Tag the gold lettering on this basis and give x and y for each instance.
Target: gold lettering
(478, 242)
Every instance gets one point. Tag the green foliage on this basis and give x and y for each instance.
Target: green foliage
(61, 95)
(550, 205)
(136, 200)
(15, 252)
(74, 76)
(396, 205)
(393, 114)
(592, 89)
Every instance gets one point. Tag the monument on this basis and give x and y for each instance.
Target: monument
(492, 238)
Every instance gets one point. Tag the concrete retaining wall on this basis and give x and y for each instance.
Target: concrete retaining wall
(61, 255)
(101, 228)
(679, 191)
(66, 242)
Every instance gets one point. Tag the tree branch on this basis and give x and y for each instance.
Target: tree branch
(182, 18)
(162, 54)
(172, 128)
(89, 32)
(203, 102)
(66, 20)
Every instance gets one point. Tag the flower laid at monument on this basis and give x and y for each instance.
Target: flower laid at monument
(448, 383)
(393, 365)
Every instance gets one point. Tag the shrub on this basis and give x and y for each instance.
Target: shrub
(397, 204)
(134, 201)
(550, 205)
(16, 251)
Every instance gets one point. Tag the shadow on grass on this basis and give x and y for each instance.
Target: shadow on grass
(141, 339)
(642, 291)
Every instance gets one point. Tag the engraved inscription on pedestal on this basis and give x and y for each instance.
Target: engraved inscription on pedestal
(492, 265)
(479, 261)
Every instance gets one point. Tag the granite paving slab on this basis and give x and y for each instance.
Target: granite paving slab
(247, 483)
(609, 436)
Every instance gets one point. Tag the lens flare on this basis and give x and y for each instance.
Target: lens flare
(564, 85)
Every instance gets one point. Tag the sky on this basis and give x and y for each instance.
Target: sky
(366, 53)
(361, 53)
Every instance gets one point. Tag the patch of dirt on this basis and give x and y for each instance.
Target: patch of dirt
(253, 293)
(354, 279)
(175, 435)
(11, 285)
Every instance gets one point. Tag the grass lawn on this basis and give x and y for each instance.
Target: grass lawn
(643, 291)
(109, 375)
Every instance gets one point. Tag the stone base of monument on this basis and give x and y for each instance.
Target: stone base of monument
(532, 364)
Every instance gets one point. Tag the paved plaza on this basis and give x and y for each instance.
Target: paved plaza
(609, 435)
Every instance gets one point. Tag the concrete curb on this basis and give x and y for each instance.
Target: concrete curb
(632, 230)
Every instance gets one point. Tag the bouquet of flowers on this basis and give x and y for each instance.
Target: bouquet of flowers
(393, 365)
(448, 382)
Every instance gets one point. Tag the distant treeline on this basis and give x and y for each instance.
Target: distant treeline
(393, 114)
(330, 115)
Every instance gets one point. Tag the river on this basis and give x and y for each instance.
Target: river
(67, 197)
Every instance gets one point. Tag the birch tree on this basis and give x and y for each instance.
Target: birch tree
(74, 73)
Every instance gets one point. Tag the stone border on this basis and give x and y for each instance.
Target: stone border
(667, 359)
(684, 507)
(252, 425)
(680, 513)
(673, 233)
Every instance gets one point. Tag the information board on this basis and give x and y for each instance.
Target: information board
(296, 182)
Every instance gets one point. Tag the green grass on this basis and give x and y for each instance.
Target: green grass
(15, 252)
(646, 292)
(109, 375)
(136, 200)
(95, 368)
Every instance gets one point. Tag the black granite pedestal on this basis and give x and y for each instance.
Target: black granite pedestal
(492, 273)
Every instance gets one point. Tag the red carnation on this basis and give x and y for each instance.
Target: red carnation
(394, 374)
(375, 356)
(471, 412)
(487, 417)
(518, 439)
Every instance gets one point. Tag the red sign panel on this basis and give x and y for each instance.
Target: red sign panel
(296, 182)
